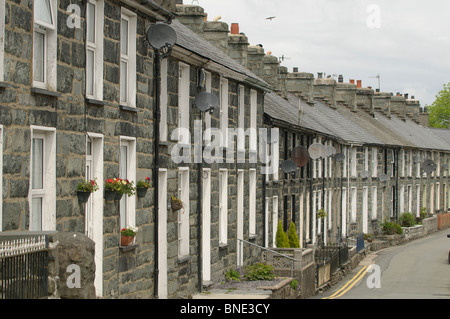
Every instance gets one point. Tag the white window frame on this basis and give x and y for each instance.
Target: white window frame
(130, 60)
(96, 205)
(374, 162)
(1, 177)
(48, 191)
(354, 161)
(97, 48)
(240, 215)
(366, 159)
(253, 142)
(50, 49)
(164, 102)
(354, 202)
(183, 214)
(252, 202)
(374, 202)
(223, 207)
(2, 44)
(128, 204)
(241, 118)
(208, 87)
(365, 209)
(183, 103)
(274, 220)
(224, 105)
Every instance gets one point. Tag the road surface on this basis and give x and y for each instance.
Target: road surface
(416, 270)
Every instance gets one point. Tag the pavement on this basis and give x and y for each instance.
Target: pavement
(234, 294)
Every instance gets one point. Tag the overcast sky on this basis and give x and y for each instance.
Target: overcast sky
(410, 49)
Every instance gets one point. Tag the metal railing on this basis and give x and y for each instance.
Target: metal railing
(358, 241)
(24, 267)
(284, 256)
(335, 254)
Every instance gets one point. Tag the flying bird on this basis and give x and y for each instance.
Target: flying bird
(270, 18)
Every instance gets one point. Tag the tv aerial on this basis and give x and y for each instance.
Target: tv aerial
(206, 102)
(162, 37)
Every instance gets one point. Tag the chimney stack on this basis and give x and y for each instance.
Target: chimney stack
(301, 84)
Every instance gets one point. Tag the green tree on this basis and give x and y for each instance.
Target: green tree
(281, 238)
(440, 109)
(294, 242)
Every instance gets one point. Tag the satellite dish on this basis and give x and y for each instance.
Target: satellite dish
(429, 166)
(417, 159)
(289, 167)
(365, 174)
(445, 167)
(161, 35)
(317, 151)
(384, 178)
(330, 150)
(340, 157)
(300, 156)
(206, 102)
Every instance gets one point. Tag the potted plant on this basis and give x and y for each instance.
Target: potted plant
(84, 190)
(126, 187)
(176, 203)
(111, 189)
(127, 235)
(142, 187)
(321, 213)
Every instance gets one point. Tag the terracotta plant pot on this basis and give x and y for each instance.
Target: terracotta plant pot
(126, 240)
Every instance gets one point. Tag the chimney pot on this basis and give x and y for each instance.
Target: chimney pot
(235, 28)
(340, 78)
(359, 84)
(352, 81)
(295, 69)
(319, 75)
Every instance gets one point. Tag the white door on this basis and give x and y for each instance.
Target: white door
(206, 225)
(94, 207)
(162, 235)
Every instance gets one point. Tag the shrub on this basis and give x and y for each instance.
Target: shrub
(294, 242)
(259, 271)
(391, 228)
(407, 220)
(233, 274)
(281, 239)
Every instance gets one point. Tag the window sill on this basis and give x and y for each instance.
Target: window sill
(183, 259)
(129, 109)
(128, 248)
(45, 92)
(252, 236)
(4, 85)
(223, 246)
(95, 102)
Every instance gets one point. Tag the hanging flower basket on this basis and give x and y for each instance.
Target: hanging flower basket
(109, 195)
(142, 187)
(141, 191)
(83, 197)
(176, 203)
(84, 190)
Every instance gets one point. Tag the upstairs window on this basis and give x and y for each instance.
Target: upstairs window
(94, 49)
(44, 45)
(128, 58)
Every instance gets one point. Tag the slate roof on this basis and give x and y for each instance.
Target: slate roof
(189, 40)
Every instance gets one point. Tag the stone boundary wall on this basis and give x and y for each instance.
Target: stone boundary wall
(443, 221)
